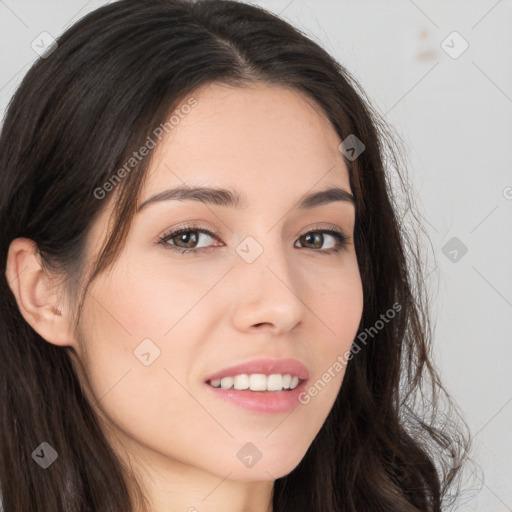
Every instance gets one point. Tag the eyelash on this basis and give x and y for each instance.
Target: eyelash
(341, 237)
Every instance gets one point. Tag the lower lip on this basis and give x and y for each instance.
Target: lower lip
(263, 402)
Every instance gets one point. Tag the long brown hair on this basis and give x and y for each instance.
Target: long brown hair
(389, 443)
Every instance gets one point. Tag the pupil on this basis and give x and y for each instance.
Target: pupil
(314, 235)
(184, 237)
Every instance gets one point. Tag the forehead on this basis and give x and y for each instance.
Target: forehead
(255, 139)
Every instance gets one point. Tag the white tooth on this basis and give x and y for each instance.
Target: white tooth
(215, 383)
(241, 381)
(258, 382)
(226, 382)
(294, 382)
(274, 382)
(286, 381)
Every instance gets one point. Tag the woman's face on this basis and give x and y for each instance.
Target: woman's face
(162, 322)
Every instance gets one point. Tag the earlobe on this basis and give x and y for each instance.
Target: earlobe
(37, 299)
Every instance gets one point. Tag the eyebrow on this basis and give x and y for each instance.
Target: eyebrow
(230, 198)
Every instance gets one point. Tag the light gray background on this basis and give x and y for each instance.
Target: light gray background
(455, 115)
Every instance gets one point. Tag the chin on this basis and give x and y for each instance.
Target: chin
(270, 467)
(263, 473)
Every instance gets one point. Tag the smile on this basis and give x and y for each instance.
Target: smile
(257, 382)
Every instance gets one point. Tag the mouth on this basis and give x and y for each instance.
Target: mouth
(262, 386)
(259, 401)
(257, 382)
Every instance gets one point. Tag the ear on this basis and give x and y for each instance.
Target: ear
(40, 302)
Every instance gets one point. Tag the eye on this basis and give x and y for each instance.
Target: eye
(185, 239)
(338, 240)
(189, 238)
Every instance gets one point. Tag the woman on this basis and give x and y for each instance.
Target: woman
(207, 302)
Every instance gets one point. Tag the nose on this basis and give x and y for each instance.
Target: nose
(268, 296)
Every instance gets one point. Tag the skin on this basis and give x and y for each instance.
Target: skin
(209, 311)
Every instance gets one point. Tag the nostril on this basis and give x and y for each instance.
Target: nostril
(261, 324)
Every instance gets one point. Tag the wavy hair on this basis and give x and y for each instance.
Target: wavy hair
(391, 438)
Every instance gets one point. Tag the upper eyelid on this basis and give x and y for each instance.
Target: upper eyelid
(345, 237)
(185, 229)
(208, 231)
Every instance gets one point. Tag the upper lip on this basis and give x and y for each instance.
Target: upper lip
(266, 367)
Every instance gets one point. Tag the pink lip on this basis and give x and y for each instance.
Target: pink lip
(266, 367)
(262, 402)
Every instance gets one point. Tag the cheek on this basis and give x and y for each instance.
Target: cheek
(337, 302)
(146, 404)
(131, 321)
(336, 299)
(141, 301)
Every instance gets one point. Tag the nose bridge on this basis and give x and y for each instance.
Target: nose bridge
(269, 290)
